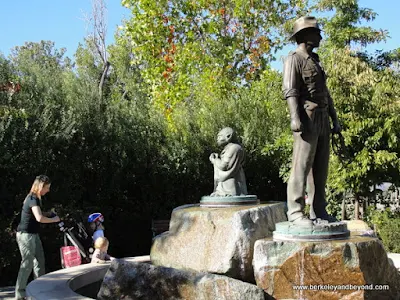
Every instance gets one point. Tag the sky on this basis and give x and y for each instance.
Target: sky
(62, 21)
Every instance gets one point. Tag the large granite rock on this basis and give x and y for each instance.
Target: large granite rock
(216, 240)
(127, 280)
(343, 264)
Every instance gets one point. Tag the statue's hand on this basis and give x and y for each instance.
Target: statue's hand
(296, 125)
(213, 156)
(336, 127)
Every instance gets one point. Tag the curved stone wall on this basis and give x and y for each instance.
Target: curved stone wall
(64, 283)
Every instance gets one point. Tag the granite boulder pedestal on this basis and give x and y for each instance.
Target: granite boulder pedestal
(354, 268)
(126, 280)
(216, 240)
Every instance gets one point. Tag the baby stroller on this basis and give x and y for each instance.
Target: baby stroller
(77, 247)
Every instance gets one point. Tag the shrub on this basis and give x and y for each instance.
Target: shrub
(387, 224)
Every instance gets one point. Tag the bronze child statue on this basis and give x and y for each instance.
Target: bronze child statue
(229, 178)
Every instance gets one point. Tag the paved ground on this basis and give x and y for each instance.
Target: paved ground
(395, 257)
(7, 292)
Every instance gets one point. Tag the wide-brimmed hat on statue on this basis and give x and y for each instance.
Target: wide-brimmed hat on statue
(304, 23)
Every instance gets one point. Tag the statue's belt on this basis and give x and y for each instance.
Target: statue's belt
(318, 98)
(321, 108)
(314, 104)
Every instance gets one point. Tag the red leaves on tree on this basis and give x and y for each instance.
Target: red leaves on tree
(10, 87)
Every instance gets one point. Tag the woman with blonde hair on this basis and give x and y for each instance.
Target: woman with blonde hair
(28, 239)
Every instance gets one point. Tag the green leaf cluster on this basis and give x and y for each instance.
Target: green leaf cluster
(365, 89)
(387, 224)
(224, 43)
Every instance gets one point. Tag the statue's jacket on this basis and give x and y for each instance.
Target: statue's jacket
(305, 79)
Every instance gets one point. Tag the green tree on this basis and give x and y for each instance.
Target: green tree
(45, 117)
(365, 91)
(368, 104)
(35, 124)
(257, 113)
(223, 43)
(343, 26)
(205, 66)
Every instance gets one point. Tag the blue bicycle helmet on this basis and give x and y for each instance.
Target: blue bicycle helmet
(96, 217)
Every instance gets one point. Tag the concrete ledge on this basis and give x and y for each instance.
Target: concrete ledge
(63, 283)
(395, 257)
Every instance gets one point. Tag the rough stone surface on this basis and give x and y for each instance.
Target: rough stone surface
(278, 266)
(125, 280)
(216, 240)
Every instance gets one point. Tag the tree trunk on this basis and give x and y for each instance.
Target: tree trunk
(103, 77)
(343, 208)
(364, 208)
(356, 208)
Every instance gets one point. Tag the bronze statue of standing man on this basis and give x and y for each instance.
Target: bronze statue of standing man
(310, 106)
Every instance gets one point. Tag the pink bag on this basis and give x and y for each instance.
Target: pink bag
(70, 255)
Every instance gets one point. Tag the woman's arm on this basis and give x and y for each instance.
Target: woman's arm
(50, 214)
(37, 212)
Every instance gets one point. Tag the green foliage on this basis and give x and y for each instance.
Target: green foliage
(367, 103)
(365, 93)
(334, 198)
(180, 71)
(343, 29)
(383, 59)
(86, 63)
(99, 154)
(223, 43)
(258, 115)
(387, 224)
(204, 66)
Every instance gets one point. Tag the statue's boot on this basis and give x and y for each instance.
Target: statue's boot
(327, 217)
(303, 221)
(330, 219)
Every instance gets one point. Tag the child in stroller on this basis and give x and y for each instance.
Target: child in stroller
(101, 243)
(95, 221)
